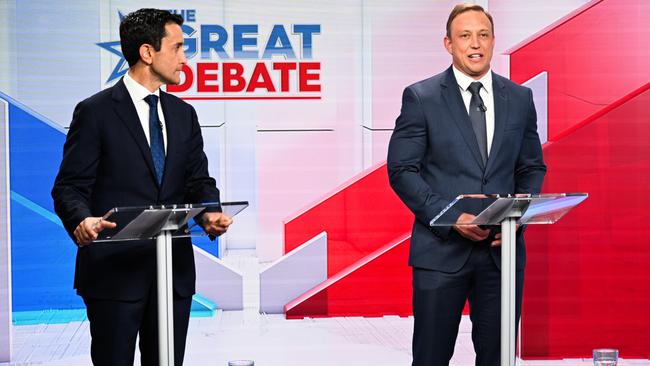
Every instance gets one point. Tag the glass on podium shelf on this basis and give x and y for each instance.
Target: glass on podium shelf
(241, 363)
(605, 357)
(528, 208)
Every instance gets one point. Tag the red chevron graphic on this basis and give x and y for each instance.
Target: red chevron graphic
(593, 56)
(358, 291)
(359, 217)
(586, 278)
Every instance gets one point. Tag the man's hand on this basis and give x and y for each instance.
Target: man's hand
(497, 238)
(471, 232)
(215, 223)
(89, 228)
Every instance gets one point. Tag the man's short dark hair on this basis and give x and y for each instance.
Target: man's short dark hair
(462, 8)
(144, 26)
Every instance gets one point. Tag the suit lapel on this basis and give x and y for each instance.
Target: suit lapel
(126, 111)
(454, 101)
(500, 118)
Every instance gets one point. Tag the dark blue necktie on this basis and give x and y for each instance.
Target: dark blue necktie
(156, 137)
(477, 116)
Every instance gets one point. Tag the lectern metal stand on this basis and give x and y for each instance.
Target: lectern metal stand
(162, 223)
(509, 212)
(165, 291)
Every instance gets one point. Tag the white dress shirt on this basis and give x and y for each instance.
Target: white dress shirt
(138, 92)
(486, 94)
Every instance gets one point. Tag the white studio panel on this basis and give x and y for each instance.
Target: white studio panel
(539, 85)
(8, 41)
(241, 172)
(302, 148)
(214, 146)
(515, 21)
(407, 46)
(218, 282)
(295, 170)
(293, 274)
(5, 237)
(55, 66)
(375, 146)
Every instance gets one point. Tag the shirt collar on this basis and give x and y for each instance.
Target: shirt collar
(464, 80)
(136, 90)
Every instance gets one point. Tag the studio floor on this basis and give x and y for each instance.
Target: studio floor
(269, 340)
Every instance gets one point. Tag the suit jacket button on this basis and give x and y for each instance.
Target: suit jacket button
(485, 181)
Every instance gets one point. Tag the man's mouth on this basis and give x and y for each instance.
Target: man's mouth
(475, 56)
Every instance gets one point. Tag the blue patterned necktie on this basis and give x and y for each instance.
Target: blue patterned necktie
(156, 137)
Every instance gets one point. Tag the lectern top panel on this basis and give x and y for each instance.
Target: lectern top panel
(146, 222)
(492, 209)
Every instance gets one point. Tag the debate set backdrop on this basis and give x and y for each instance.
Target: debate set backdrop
(297, 101)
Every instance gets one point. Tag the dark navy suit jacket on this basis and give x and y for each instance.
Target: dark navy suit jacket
(107, 163)
(433, 157)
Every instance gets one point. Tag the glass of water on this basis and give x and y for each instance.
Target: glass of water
(605, 357)
(241, 363)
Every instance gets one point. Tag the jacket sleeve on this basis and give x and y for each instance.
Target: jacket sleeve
(74, 183)
(406, 152)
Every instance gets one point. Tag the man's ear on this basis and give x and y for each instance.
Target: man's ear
(146, 56)
(447, 43)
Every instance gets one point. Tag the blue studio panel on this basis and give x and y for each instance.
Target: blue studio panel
(42, 254)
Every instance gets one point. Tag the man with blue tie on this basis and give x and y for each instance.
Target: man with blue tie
(465, 130)
(134, 145)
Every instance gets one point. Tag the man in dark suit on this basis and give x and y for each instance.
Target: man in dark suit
(465, 130)
(134, 145)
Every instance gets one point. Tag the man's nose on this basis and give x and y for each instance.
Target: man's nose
(474, 42)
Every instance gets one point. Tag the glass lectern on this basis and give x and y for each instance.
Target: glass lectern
(162, 223)
(509, 212)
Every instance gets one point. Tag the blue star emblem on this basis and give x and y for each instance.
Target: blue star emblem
(122, 66)
(115, 48)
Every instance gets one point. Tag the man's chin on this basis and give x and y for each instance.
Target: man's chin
(174, 80)
(476, 73)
